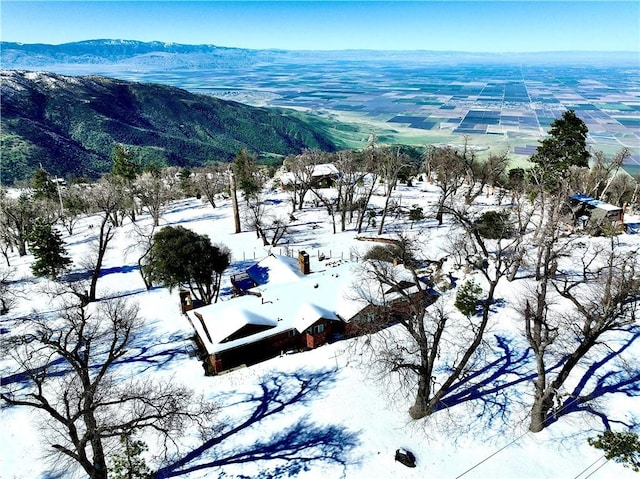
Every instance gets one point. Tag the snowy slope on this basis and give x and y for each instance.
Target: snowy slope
(326, 413)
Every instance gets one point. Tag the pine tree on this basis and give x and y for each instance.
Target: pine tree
(622, 447)
(468, 297)
(128, 464)
(245, 167)
(47, 247)
(565, 146)
(123, 164)
(43, 186)
(126, 170)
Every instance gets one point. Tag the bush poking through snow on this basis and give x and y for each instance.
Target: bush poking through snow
(622, 447)
(467, 298)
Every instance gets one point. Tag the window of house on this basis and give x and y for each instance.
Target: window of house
(369, 317)
(318, 328)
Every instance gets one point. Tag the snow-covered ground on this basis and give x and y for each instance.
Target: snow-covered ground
(324, 413)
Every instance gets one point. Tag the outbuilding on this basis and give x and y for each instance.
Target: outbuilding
(586, 208)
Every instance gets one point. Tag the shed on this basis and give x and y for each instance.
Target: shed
(595, 210)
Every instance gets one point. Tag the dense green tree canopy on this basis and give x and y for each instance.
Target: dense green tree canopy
(495, 225)
(47, 247)
(565, 146)
(248, 178)
(124, 165)
(623, 447)
(183, 258)
(43, 186)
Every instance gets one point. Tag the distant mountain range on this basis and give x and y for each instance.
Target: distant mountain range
(153, 55)
(71, 124)
(124, 52)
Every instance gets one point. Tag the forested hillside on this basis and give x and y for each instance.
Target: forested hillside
(70, 125)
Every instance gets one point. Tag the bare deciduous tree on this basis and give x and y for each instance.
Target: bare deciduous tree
(349, 184)
(69, 367)
(143, 246)
(155, 193)
(8, 293)
(600, 296)
(269, 226)
(75, 204)
(369, 182)
(419, 356)
(330, 205)
(18, 215)
(597, 180)
(106, 200)
(482, 174)
(447, 171)
(390, 165)
(211, 181)
(302, 169)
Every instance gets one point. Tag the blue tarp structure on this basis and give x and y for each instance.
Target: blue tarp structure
(632, 228)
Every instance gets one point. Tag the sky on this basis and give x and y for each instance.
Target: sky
(472, 26)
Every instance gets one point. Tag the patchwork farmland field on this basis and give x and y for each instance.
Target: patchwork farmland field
(424, 97)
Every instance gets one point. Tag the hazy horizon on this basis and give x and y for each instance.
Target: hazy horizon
(440, 26)
(346, 50)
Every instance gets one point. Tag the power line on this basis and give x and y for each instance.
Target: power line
(489, 457)
(590, 466)
(567, 404)
(596, 469)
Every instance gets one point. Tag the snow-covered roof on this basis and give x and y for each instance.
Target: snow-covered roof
(318, 171)
(283, 305)
(324, 169)
(275, 269)
(336, 294)
(235, 320)
(310, 313)
(589, 201)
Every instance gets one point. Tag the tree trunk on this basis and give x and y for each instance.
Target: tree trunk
(22, 246)
(105, 237)
(542, 404)
(343, 219)
(148, 284)
(5, 253)
(99, 461)
(420, 407)
(384, 212)
(234, 202)
(363, 209)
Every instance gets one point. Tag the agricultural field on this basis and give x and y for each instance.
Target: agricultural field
(496, 106)
(499, 102)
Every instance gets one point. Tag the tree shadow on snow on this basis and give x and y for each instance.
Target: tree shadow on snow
(493, 385)
(119, 269)
(204, 217)
(494, 389)
(156, 355)
(607, 375)
(284, 452)
(85, 274)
